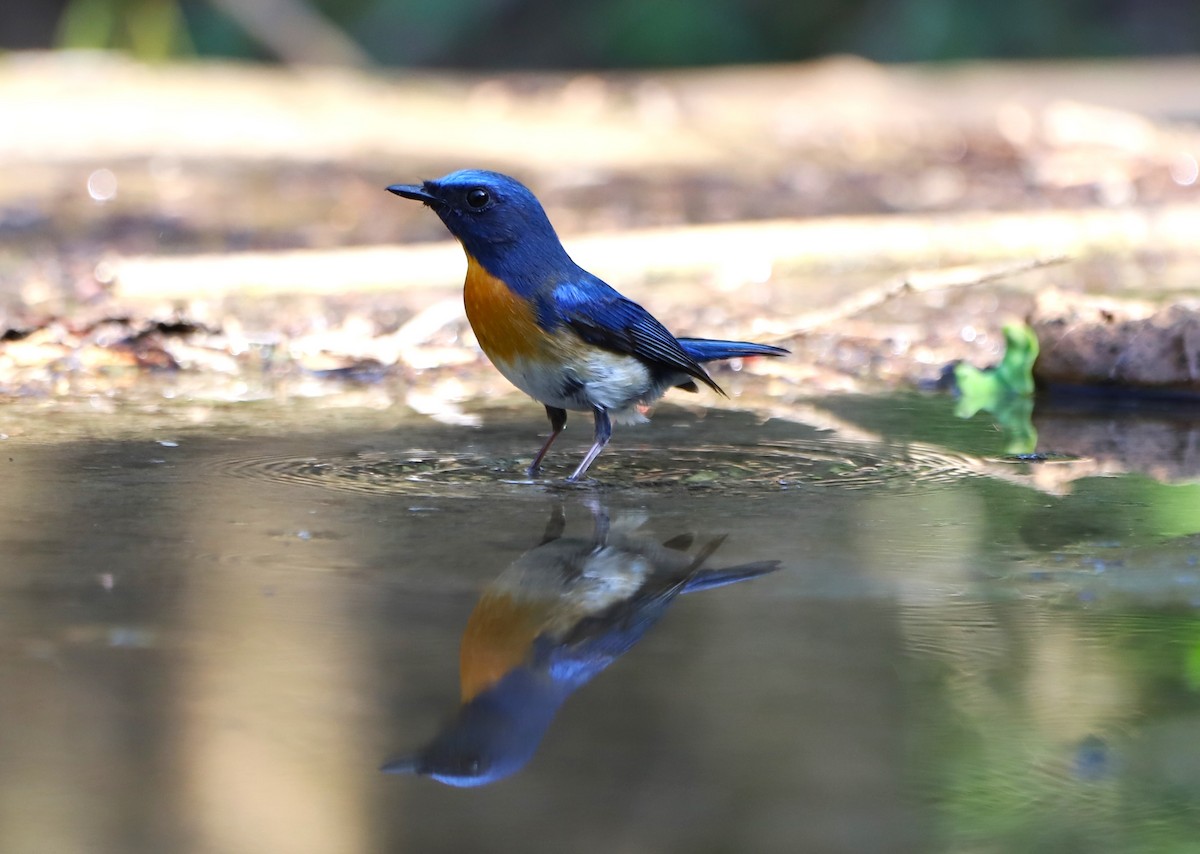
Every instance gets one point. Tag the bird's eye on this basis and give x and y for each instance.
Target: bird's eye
(478, 198)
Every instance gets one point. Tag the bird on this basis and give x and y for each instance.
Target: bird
(558, 333)
(555, 618)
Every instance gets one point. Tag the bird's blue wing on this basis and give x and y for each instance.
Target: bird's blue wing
(603, 317)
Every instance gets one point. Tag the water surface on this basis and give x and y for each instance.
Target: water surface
(214, 631)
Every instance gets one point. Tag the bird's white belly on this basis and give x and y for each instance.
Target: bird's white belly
(610, 381)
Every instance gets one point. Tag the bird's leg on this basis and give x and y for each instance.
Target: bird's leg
(603, 434)
(556, 525)
(600, 521)
(558, 423)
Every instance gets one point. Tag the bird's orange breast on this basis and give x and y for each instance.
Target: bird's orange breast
(504, 323)
(499, 637)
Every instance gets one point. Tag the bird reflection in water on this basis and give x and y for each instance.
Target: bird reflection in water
(560, 614)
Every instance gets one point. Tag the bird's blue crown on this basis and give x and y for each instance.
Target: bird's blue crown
(503, 226)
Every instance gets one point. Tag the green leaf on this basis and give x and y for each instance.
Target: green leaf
(1004, 390)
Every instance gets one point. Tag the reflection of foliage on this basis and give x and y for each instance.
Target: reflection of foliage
(1005, 390)
(1193, 667)
(1176, 509)
(1012, 772)
(1011, 790)
(1019, 796)
(1014, 416)
(1191, 662)
(148, 29)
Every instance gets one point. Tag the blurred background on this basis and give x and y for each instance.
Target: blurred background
(158, 143)
(515, 34)
(155, 146)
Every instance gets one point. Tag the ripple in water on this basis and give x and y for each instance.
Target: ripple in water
(768, 467)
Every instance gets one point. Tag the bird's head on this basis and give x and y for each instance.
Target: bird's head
(488, 212)
(493, 736)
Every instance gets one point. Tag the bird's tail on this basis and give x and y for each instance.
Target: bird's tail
(708, 349)
(707, 579)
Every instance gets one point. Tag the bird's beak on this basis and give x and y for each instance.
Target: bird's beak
(412, 191)
(401, 764)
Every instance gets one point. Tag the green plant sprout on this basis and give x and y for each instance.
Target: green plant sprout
(1005, 390)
